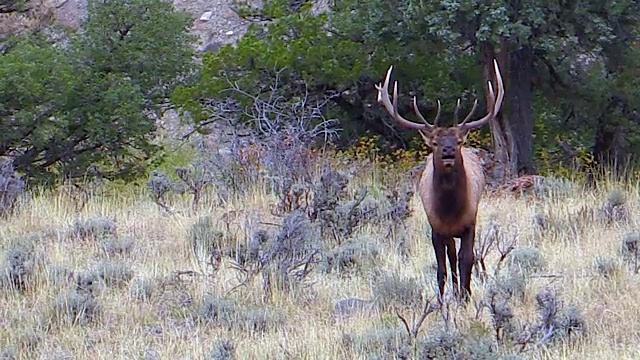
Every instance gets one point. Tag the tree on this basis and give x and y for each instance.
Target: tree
(81, 108)
(566, 66)
(532, 41)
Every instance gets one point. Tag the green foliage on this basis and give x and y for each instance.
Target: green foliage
(78, 109)
(583, 85)
(337, 56)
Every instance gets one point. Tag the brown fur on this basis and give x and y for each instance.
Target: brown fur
(452, 182)
(475, 182)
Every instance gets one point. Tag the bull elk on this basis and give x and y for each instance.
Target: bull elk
(452, 182)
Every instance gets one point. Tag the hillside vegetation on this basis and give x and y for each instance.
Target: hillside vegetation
(273, 215)
(328, 272)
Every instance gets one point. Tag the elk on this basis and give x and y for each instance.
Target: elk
(451, 183)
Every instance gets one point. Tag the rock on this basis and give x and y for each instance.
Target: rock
(206, 16)
(229, 33)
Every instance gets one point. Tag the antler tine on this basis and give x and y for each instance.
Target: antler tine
(494, 103)
(417, 111)
(473, 109)
(456, 113)
(435, 121)
(392, 108)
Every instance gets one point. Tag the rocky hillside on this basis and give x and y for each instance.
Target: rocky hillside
(214, 22)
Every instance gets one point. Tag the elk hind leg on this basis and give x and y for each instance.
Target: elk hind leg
(453, 264)
(465, 262)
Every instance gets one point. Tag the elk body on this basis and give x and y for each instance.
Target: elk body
(452, 182)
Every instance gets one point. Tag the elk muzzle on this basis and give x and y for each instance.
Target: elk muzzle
(449, 156)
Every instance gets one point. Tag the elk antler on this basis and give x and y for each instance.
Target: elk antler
(455, 114)
(494, 105)
(392, 109)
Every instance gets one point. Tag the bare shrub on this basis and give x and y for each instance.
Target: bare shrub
(337, 216)
(160, 186)
(556, 323)
(288, 128)
(291, 254)
(197, 177)
(207, 243)
(94, 228)
(493, 237)
(12, 187)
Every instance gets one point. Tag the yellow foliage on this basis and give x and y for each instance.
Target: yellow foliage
(554, 162)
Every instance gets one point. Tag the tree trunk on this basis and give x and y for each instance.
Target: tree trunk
(519, 106)
(501, 137)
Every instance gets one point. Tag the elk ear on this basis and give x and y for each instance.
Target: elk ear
(426, 137)
(462, 135)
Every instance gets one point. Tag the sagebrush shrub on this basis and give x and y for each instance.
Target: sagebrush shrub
(379, 343)
(226, 313)
(143, 289)
(356, 254)
(114, 273)
(223, 349)
(607, 267)
(89, 282)
(112, 246)
(390, 290)
(77, 308)
(19, 267)
(94, 228)
(526, 260)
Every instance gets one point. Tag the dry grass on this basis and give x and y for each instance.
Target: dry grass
(159, 313)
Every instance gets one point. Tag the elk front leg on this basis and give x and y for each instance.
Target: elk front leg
(439, 243)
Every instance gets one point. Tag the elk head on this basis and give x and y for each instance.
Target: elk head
(446, 143)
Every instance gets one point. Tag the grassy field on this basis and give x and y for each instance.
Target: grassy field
(120, 278)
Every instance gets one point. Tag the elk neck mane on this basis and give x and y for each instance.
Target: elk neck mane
(451, 200)
(450, 189)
